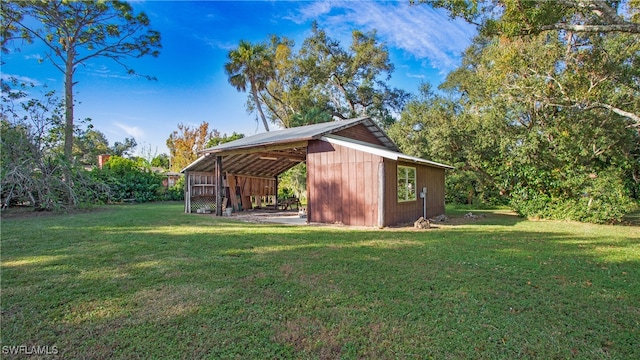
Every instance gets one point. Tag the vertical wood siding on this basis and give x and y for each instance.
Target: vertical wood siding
(361, 133)
(342, 185)
(408, 212)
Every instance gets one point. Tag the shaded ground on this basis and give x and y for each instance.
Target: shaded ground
(22, 212)
(291, 217)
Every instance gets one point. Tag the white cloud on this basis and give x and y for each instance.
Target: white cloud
(104, 71)
(20, 79)
(417, 76)
(34, 57)
(133, 131)
(420, 31)
(311, 12)
(216, 43)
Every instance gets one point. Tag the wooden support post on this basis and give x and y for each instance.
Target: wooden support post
(219, 194)
(275, 197)
(187, 192)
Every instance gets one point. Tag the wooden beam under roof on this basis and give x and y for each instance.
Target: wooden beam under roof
(300, 145)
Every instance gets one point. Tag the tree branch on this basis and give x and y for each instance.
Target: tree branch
(626, 27)
(633, 117)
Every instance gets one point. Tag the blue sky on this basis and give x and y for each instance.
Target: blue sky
(191, 85)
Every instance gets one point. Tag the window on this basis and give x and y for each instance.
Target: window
(406, 183)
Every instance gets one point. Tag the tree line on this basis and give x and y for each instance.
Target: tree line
(35, 172)
(544, 112)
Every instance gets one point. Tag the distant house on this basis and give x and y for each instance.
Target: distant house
(169, 178)
(355, 174)
(102, 159)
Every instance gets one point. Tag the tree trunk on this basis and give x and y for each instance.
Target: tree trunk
(68, 113)
(255, 98)
(68, 123)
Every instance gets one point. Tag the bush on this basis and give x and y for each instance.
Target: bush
(602, 199)
(128, 181)
(176, 192)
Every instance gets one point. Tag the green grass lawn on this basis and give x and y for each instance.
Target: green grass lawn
(148, 281)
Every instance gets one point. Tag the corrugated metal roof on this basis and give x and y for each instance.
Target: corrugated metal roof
(271, 153)
(302, 133)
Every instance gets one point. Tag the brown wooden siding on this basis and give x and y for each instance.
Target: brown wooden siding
(342, 185)
(361, 133)
(408, 212)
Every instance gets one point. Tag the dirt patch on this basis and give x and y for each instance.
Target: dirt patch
(311, 337)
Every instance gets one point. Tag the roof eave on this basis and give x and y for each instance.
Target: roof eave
(385, 153)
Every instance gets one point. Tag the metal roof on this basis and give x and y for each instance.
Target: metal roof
(303, 133)
(269, 154)
(380, 151)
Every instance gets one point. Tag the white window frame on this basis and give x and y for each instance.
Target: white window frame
(408, 182)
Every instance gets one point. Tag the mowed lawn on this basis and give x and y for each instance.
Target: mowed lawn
(148, 281)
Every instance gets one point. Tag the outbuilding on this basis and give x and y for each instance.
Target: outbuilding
(356, 174)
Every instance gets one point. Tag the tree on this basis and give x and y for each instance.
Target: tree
(88, 145)
(434, 126)
(216, 139)
(123, 148)
(550, 98)
(321, 82)
(161, 161)
(31, 167)
(611, 29)
(185, 143)
(250, 65)
(353, 81)
(515, 137)
(76, 32)
(523, 17)
(325, 81)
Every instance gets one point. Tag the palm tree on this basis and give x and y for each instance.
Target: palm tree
(251, 65)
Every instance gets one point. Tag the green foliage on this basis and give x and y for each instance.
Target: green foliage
(176, 192)
(76, 32)
(33, 171)
(216, 139)
(161, 161)
(250, 66)
(124, 148)
(598, 199)
(128, 181)
(322, 81)
(88, 145)
(525, 17)
(310, 116)
(294, 182)
(529, 121)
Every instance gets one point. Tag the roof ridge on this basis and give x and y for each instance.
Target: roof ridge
(298, 133)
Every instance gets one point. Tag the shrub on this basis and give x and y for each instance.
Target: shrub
(600, 199)
(128, 181)
(176, 192)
